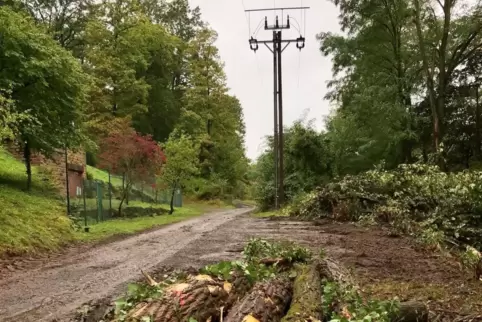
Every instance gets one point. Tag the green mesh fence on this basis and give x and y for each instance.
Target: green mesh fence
(97, 201)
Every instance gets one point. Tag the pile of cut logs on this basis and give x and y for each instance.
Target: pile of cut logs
(294, 297)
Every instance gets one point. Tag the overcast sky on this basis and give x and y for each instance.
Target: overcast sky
(250, 75)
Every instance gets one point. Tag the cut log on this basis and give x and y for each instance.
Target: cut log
(333, 271)
(306, 304)
(411, 312)
(267, 302)
(240, 287)
(200, 298)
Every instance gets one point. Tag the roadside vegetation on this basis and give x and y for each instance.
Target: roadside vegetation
(129, 226)
(30, 221)
(123, 82)
(36, 221)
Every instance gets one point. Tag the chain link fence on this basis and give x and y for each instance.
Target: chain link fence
(95, 201)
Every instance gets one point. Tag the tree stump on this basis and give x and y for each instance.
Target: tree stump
(267, 302)
(306, 304)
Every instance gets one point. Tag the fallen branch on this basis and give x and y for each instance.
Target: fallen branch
(149, 279)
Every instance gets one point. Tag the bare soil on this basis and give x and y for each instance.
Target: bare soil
(385, 266)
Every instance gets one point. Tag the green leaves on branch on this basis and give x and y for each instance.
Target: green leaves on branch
(181, 161)
(46, 82)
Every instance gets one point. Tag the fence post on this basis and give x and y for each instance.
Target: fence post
(110, 197)
(180, 197)
(99, 200)
(86, 229)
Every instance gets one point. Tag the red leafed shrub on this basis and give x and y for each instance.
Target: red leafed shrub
(136, 157)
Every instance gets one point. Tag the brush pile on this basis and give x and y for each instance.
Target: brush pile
(417, 200)
(275, 282)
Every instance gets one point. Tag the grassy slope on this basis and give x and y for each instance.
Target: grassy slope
(37, 221)
(29, 222)
(131, 226)
(101, 175)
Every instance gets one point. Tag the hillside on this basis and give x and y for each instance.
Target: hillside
(30, 222)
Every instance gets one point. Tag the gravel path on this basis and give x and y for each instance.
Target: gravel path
(52, 292)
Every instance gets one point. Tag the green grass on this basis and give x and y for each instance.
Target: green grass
(36, 221)
(102, 175)
(30, 222)
(131, 226)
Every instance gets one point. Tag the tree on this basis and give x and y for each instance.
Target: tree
(307, 164)
(181, 164)
(10, 120)
(46, 82)
(135, 157)
(117, 55)
(212, 116)
(445, 43)
(64, 20)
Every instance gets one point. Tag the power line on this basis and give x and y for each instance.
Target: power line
(247, 20)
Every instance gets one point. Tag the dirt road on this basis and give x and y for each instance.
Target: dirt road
(384, 265)
(53, 291)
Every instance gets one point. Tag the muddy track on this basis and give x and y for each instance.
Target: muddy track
(53, 291)
(386, 266)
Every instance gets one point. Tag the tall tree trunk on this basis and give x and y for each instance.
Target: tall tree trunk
(442, 64)
(477, 125)
(125, 196)
(28, 163)
(428, 76)
(172, 198)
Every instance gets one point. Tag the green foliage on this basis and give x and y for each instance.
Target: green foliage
(258, 248)
(307, 164)
(398, 100)
(470, 258)
(251, 266)
(417, 199)
(253, 271)
(181, 163)
(45, 81)
(135, 294)
(10, 120)
(353, 307)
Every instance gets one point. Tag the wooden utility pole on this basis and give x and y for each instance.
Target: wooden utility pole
(277, 50)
